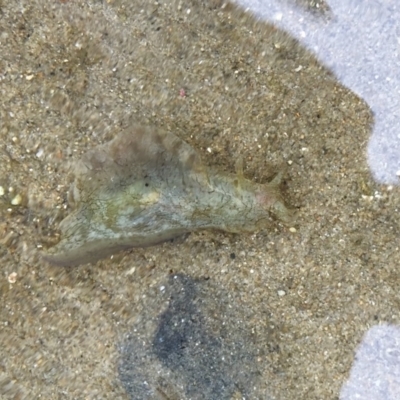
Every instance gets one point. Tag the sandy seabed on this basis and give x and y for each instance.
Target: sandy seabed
(273, 315)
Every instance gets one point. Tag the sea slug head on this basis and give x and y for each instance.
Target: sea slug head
(271, 201)
(270, 198)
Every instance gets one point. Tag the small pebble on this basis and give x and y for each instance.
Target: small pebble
(292, 229)
(39, 153)
(17, 200)
(368, 198)
(1, 191)
(12, 278)
(281, 293)
(131, 271)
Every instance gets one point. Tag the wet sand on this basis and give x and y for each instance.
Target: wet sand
(273, 315)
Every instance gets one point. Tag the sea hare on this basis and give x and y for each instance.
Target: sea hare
(147, 186)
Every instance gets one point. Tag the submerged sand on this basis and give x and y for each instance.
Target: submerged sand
(277, 314)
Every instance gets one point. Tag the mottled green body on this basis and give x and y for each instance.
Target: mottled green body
(145, 187)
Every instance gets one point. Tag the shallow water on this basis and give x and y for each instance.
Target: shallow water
(277, 314)
(359, 41)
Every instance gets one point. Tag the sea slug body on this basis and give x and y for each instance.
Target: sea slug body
(147, 186)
